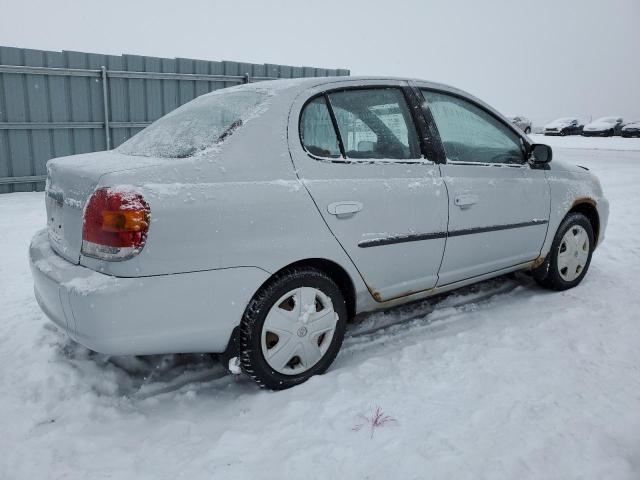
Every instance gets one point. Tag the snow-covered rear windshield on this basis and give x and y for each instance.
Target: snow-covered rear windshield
(196, 126)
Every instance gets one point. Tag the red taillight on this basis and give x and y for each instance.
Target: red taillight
(115, 226)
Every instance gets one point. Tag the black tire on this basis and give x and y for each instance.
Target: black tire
(527, 130)
(252, 360)
(563, 133)
(548, 274)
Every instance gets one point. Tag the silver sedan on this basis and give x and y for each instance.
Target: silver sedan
(256, 221)
(523, 123)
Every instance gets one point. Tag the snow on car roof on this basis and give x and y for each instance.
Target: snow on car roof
(607, 119)
(306, 82)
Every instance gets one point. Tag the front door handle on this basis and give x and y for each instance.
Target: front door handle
(344, 209)
(465, 200)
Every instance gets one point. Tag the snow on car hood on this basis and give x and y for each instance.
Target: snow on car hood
(557, 124)
(632, 125)
(598, 126)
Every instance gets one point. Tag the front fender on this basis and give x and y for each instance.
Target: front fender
(569, 189)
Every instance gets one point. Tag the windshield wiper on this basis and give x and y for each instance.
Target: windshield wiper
(229, 130)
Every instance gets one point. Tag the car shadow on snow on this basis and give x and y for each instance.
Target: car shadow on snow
(142, 377)
(137, 377)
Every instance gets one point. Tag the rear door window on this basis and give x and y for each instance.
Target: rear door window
(375, 124)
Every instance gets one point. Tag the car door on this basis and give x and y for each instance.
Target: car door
(498, 204)
(358, 152)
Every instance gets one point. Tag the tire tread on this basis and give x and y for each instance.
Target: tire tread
(546, 274)
(253, 313)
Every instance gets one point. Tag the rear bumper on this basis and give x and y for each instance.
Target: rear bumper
(179, 313)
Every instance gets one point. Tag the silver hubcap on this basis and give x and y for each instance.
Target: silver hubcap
(298, 330)
(573, 253)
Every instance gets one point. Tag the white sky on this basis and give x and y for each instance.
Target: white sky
(540, 58)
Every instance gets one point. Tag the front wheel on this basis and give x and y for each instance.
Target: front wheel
(292, 329)
(570, 255)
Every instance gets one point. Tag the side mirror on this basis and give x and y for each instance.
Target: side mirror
(540, 154)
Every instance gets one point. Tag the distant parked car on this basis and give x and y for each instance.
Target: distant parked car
(604, 127)
(523, 123)
(256, 220)
(631, 129)
(564, 126)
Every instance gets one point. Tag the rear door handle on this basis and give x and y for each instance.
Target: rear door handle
(344, 209)
(465, 200)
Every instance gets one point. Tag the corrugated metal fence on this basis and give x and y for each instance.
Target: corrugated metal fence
(61, 103)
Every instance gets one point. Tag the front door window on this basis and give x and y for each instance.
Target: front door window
(471, 135)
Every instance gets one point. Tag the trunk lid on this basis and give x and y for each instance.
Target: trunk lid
(70, 183)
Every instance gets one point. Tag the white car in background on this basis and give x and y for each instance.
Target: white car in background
(564, 126)
(603, 127)
(256, 221)
(631, 129)
(523, 123)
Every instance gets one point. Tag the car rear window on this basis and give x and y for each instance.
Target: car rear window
(200, 124)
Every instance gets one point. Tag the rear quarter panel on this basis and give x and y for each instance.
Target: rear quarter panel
(243, 206)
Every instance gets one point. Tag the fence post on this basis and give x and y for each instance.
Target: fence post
(105, 100)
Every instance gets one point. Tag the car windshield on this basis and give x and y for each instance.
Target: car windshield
(606, 120)
(197, 125)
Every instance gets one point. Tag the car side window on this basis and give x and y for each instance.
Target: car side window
(470, 134)
(316, 130)
(375, 123)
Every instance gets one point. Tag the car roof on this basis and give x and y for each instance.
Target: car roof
(303, 83)
(296, 86)
(299, 85)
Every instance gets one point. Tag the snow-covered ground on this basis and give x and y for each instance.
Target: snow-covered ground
(590, 143)
(524, 384)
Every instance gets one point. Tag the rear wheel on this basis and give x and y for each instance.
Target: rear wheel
(292, 329)
(570, 255)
